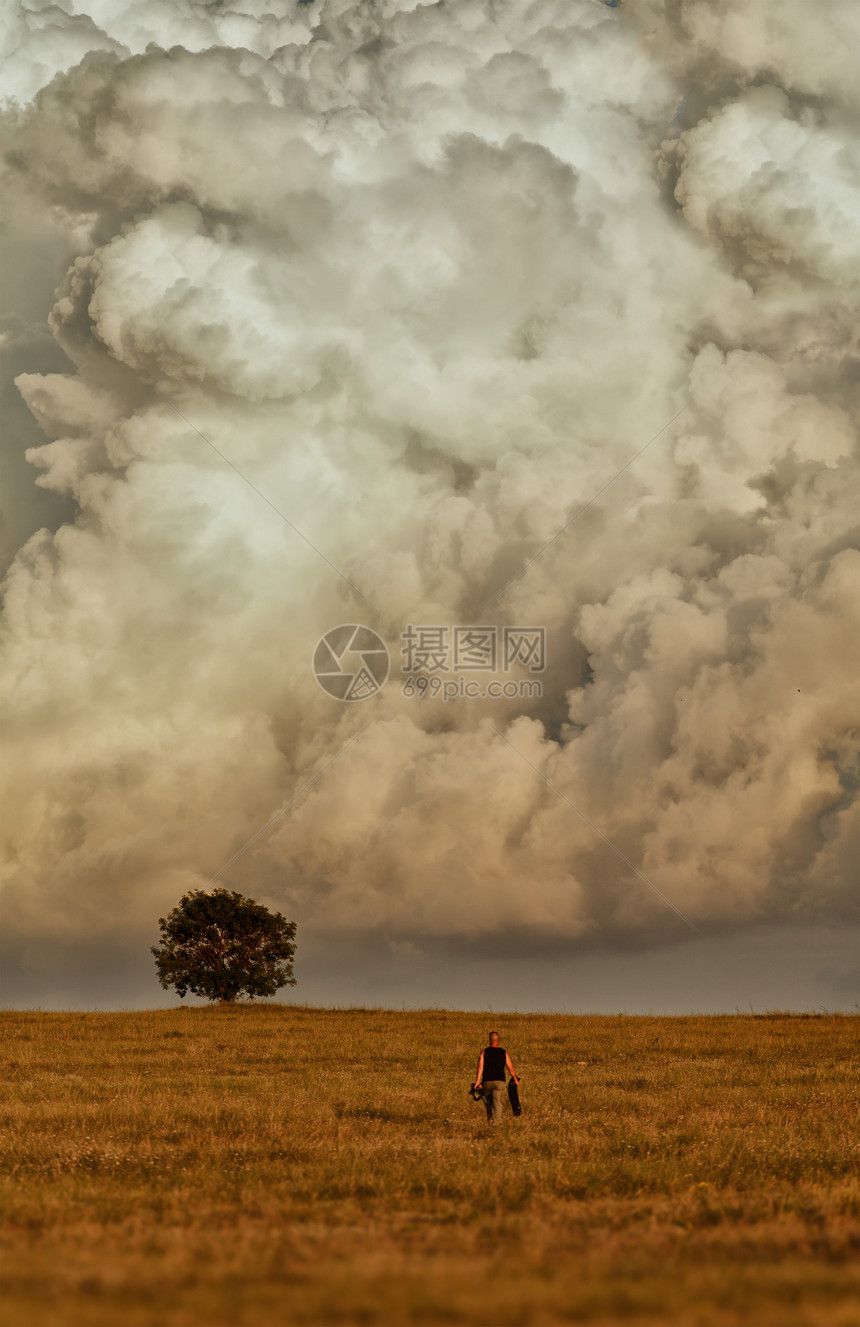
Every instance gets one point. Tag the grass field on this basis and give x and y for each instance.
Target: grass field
(272, 1164)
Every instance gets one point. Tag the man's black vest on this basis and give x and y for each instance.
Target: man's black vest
(494, 1064)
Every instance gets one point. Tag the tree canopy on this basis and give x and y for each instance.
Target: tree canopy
(220, 945)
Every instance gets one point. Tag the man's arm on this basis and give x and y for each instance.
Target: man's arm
(510, 1068)
(480, 1071)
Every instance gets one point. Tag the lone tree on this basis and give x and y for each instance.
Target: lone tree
(220, 945)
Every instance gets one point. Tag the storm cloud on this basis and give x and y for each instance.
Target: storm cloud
(358, 306)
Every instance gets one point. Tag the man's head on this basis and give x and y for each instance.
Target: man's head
(494, 1038)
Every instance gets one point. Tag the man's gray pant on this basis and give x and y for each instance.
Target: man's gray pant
(495, 1092)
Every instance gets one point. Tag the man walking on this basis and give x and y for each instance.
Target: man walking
(491, 1074)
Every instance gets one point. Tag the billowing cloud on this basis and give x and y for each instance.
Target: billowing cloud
(429, 277)
(780, 187)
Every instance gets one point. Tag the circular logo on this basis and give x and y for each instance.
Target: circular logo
(351, 662)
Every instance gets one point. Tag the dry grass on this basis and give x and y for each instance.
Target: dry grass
(268, 1165)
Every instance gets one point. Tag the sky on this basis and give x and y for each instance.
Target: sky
(430, 496)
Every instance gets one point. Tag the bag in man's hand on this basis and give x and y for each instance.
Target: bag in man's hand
(476, 1093)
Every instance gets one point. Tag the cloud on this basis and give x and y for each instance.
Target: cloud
(782, 188)
(731, 43)
(430, 277)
